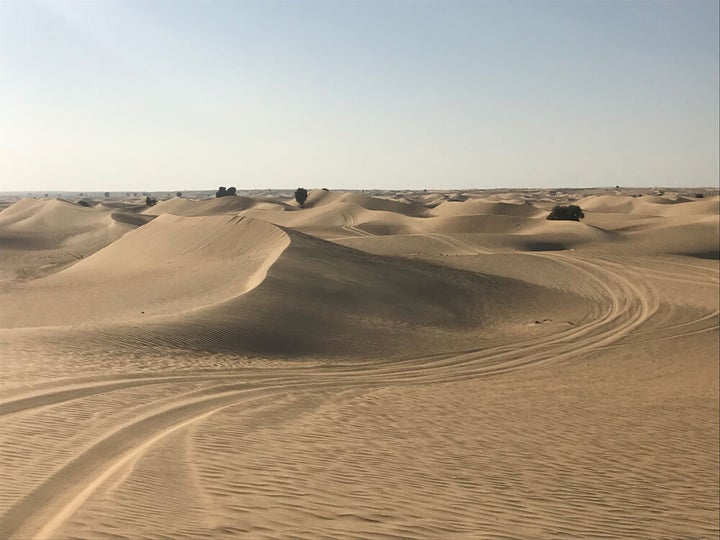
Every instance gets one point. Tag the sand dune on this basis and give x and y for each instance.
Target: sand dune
(189, 280)
(623, 203)
(473, 207)
(370, 306)
(51, 222)
(40, 237)
(697, 237)
(212, 207)
(168, 266)
(410, 365)
(649, 205)
(319, 197)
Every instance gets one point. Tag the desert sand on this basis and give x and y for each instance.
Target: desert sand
(374, 365)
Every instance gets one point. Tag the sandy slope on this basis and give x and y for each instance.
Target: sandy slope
(216, 371)
(169, 266)
(40, 237)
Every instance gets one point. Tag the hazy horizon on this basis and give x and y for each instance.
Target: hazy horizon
(155, 96)
(288, 190)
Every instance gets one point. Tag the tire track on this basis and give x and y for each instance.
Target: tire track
(494, 358)
(627, 308)
(41, 512)
(350, 225)
(456, 243)
(56, 397)
(84, 474)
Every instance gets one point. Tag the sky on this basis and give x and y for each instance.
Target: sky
(172, 95)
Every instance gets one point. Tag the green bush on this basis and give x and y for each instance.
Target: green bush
(571, 212)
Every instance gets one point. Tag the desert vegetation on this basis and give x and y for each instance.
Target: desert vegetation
(571, 212)
(226, 192)
(301, 196)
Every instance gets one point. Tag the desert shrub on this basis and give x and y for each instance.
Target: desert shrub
(571, 212)
(178, 194)
(231, 192)
(84, 203)
(699, 196)
(226, 192)
(107, 194)
(150, 201)
(301, 195)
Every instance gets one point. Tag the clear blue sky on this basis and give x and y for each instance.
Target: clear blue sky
(156, 95)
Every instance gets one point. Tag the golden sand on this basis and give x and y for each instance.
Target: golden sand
(418, 365)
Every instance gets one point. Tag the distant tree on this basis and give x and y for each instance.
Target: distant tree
(699, 196)
(178, 194)
(571, 212)
(301, 195)
(84, 203)
(150, 201)
(107, 194)
(223, 192)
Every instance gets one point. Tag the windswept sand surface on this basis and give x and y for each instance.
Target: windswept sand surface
(412, 365)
